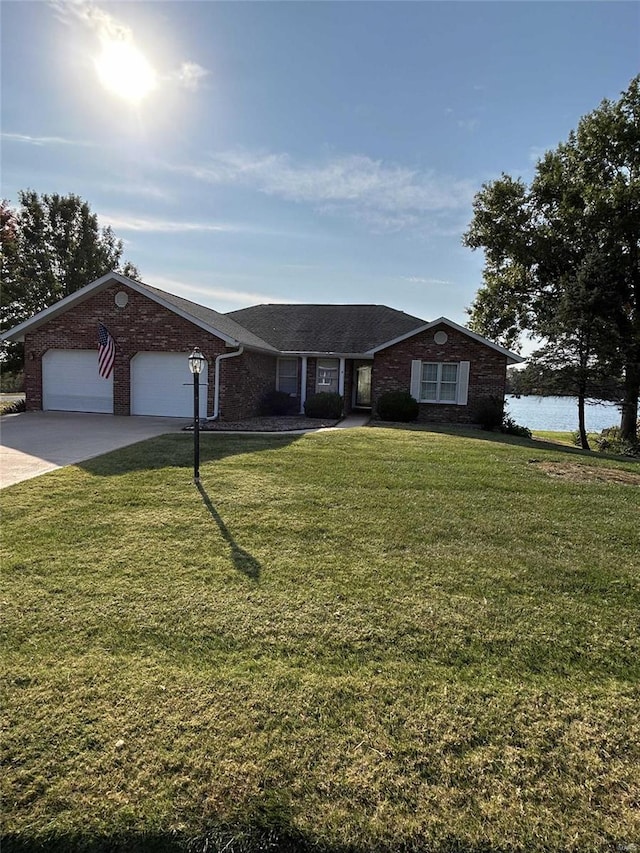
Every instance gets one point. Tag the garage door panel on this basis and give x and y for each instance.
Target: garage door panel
(162, 385)
(71, 382)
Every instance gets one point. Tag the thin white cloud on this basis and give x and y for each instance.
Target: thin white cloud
(213, 293)
(26, 139)
(437, 282)
(387, 196)
(125, 222)
(106, 27)
(190, 75)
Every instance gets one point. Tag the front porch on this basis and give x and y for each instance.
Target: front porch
(306, 375)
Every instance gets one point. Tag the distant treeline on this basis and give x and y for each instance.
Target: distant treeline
(545, 382)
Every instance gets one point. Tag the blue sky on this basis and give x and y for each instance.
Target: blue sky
(302, 151)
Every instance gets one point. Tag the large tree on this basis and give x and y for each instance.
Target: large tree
(51, 246)
(562, 254)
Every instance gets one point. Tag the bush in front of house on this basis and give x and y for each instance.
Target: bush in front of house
(277, 403)
(324, 405)
(510, 427)
(397, 406)
(489, 413)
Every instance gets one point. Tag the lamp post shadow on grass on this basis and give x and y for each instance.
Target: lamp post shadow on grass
(242, 560)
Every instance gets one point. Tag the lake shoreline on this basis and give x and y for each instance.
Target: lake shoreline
(559, 414)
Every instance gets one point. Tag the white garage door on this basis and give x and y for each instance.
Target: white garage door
(161, 384)
(70, 382)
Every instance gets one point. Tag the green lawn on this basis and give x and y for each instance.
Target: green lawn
(559, 437)
(362, 640)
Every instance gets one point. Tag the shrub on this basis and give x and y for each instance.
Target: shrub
(610, 441)
(277, 403)
(14, 408)
(11, 383)
(397, 406)
(323, 405)
(489, 413)
(510, 427)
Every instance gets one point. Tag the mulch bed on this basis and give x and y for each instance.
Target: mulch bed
(266, 424)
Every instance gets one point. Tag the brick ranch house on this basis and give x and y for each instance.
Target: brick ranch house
(358, 351)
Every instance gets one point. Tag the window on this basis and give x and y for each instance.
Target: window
(287, 378)
(440, 382)
(327, 375)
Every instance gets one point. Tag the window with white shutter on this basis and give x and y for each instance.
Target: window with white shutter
(440, 382)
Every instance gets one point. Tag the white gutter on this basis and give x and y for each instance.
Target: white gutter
(216, 390)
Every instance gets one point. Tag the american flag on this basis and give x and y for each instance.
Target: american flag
(106, 352)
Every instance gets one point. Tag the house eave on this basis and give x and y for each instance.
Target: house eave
(325, 354)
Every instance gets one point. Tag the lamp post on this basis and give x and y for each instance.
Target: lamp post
(196, 365)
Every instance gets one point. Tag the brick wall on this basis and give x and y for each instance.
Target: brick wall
(244, 381)
(141, 326)
(487, 371)
(312, 366)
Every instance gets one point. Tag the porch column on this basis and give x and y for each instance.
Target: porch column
(303, 384)
(341, 377)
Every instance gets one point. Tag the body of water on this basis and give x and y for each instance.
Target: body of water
(560, 414)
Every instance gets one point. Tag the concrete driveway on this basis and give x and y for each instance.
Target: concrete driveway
(32, 443)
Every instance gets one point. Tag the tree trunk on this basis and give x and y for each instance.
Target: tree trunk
(628, 423)
(582, 430)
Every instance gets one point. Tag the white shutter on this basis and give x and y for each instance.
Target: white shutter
(416, 378)
(463, 383)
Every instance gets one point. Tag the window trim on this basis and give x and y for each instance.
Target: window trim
(462, 383)
(281, 360)
(439, 382)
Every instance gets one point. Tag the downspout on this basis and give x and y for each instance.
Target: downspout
(216, 389)
(303, 384)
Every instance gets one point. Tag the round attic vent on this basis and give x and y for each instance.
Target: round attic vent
(121, 299)
(441, 337)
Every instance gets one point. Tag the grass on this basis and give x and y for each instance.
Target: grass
(368, 640)
(558, 437)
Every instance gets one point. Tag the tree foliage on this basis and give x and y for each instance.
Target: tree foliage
(52, 245)
(543, 377)
(562, 254)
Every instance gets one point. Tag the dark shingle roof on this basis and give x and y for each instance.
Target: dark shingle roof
(326, 328)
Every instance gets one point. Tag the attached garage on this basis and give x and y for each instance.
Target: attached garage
(162, 385)
(71, 383)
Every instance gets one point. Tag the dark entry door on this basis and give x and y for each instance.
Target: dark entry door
(363, 385)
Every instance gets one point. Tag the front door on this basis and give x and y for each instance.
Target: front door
(363, 386)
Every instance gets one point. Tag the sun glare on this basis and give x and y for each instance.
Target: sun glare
(124, 71)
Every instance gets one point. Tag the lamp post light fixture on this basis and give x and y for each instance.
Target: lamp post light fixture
(196, 365)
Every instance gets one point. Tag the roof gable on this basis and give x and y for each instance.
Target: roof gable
(512, 357)
(211, 321)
